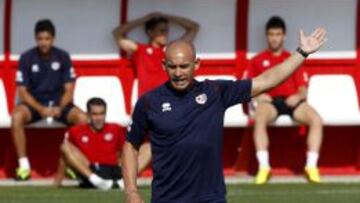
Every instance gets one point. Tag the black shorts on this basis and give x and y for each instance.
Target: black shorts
(109, 172)
(35, 116)
(282, 108)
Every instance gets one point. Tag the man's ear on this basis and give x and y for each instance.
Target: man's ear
(149, 33)
(197, 63)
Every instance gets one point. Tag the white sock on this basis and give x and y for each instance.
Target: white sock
(95, 179)
(312, 159)
(121, 184)
(263, 158)
(100, 183)
(24, 163)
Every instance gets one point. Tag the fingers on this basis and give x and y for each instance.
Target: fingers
(322, 42)
(316, 32)
(319, 34)
(322, 35)
(302, 35)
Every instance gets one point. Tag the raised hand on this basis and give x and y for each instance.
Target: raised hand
(313, 42)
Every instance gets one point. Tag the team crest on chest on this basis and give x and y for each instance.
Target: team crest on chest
(85, 139)
(166, 106)
(108, 137)
(55, 65)
(266, 63)
(150, 51)
(201, 98)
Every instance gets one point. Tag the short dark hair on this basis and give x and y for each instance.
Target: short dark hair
(95, 101)
(276, 22)
(45, 25)
(153, 22)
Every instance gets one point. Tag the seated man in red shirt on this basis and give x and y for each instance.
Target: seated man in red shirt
(289, 98)
(147, 57)
(93, 150)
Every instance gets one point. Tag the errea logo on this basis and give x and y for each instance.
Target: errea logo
(166, 106)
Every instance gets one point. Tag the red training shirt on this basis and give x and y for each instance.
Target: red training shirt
(265, 60)
(98, 147)
(148, 65)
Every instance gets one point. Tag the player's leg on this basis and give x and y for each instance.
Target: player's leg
(305, 114)
(77, 116)
(77, 160)
(144, 157)
(20, 116)
(60, 172)
(265, 113)
(74, 115)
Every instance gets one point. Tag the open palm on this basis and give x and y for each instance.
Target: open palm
(313, 42)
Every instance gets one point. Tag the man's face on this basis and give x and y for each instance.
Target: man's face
(160, 34)
(97, 115)
(275, 38)
(45, 41)
(180, 70)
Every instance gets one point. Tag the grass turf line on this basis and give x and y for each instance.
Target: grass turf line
(242, 193)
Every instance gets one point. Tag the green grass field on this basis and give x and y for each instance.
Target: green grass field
(243, 193)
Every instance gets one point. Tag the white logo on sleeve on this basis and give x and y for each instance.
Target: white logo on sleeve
(35, 68)
(306, 77)
(201, 98)
(72, 72)
(166, 107)
(55, 65)
(19, 76)
(266, 63)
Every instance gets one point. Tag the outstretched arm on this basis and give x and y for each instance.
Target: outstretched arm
(191, 27)
(276, 75)
(126, 44)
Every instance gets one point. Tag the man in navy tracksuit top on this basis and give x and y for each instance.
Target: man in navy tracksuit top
(185, 121)
(45, 83)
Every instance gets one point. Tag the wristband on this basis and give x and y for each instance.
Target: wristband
(302, 52)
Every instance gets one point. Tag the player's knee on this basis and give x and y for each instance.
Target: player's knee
(145, 148)
(260, 119)
(316, 121)
(17, 119)
(81, 117)
(64, 148)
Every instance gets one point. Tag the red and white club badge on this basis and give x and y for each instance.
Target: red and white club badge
(150, 51)
(108, 137)
(201, 99)
(85, 139)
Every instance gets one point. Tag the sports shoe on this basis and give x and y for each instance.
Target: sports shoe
(121, 184)
(263, 175)
(105, 185)
(22, 174)
(70, 174)
(312, 174)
